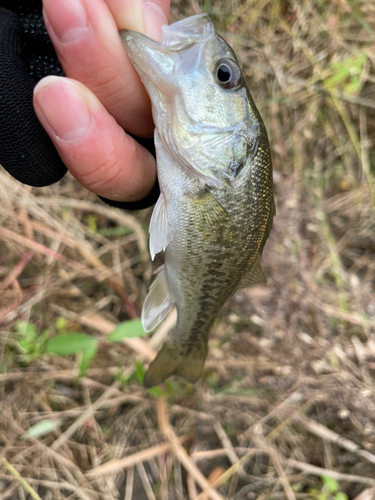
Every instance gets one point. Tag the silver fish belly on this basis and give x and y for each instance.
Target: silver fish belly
(216, 205)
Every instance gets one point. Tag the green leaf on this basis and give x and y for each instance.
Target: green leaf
(30, 340)
(26, 329)
(341, 496)
(139, 372)
(42, 428)
(347, 74)
(27, 345)
(61, 324)
(71, 343)
(86, 357)
(332, 484)
(92, 222)
(127, 330)
(157, 391)
(115, 231)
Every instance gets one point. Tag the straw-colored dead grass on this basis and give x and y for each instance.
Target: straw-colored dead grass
(288, 394)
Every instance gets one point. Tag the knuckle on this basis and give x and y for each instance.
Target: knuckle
(110, 169)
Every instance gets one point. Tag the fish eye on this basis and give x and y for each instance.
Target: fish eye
(227, 74)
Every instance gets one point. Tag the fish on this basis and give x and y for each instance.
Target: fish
(216, 204)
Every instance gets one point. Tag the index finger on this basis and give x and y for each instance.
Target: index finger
(85, 36)
(146, 17)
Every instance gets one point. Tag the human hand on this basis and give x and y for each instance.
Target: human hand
(85, 114)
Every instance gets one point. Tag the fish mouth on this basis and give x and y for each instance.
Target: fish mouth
(153, 64)
(155, 60)
(178, 35)
(194, 23)
(183, 33)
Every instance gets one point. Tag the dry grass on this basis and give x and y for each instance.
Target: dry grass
(288, 393)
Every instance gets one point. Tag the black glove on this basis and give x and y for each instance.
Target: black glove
(26, 56)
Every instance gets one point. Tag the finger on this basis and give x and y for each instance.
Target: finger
(96, 150)
(146, 17)
(86, 40)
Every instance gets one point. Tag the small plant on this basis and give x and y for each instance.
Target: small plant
(92, 223)
(42, 428)
(68, 343)
(330, 490)
(127, 330)
(30, 340)
(139, 372)
(348, 74)
(73, 343)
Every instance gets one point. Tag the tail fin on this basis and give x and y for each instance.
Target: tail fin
(176, 359)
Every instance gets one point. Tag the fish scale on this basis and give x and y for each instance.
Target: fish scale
(214, 166)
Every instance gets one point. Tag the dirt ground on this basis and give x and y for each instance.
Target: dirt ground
(286, 405)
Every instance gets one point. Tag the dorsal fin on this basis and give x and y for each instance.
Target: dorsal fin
(254, 276)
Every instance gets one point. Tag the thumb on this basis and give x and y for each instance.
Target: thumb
(146, 17)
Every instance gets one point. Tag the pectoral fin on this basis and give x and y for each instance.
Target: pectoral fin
(158, 302)
(159, 228)
(211, 220)
(254, 275)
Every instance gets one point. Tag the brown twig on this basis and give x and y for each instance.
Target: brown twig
(367, 494)
(82, 419)
(332, 436)
(226, 442)
(231, 471)
(111, 213)
(16, 271)
(113, 466)
(145, 481)
(16, 475)
(129, 484)
(28, 243)
(180, 452)
(277, 462)
(318, 471)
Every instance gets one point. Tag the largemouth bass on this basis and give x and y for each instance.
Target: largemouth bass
(216, 205)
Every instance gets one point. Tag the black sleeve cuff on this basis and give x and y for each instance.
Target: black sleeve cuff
(26, 151)
(150, 200)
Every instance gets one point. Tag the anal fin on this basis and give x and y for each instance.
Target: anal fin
(158, 303)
